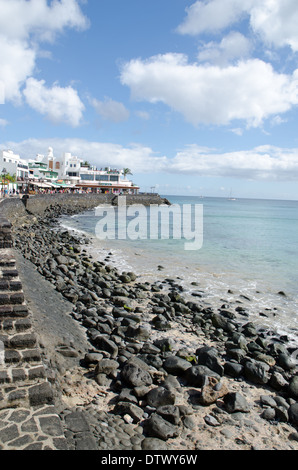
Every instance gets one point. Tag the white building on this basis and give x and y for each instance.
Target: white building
(77, 174)
(13, 165)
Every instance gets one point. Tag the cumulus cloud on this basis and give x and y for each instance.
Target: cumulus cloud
(207, 94)
(24, 26)
(232, 47)
(20, 19)
(17, 63)
(140, 158)
(273, 21)
(213, 15)
(57, 104)
(260, 163)
(111, 110)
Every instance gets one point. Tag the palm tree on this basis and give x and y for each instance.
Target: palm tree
(8, 177)
(11, 178)
(126, 171)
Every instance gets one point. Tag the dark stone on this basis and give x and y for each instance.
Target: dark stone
(234, 402)
(219, 321)
(293, 414)
(9, 433)
(157, 426)
(41, 394)
(257, 372)
(107, 345)
(160, 396)
(123, 408)
(51, 425)
(207, 356)
(135, 373)
(170, 412)
(176, 365)
(233, 369)
(286, 362)
(293, 387)
(196, 375)
(76, 422)
(152, 443)
(106, 366)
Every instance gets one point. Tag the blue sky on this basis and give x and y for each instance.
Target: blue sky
(196, 97)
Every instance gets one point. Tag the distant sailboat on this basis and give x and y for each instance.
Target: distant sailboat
(231, 198)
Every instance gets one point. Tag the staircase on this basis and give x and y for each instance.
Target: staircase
(26, 395)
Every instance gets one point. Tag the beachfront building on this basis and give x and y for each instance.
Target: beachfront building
(40, 176)
(77, 174)
(105, 180)
(14, 171)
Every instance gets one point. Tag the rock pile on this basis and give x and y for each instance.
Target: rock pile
(161, 383)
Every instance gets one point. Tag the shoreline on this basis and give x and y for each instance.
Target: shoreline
(266, 309)
(181, 375)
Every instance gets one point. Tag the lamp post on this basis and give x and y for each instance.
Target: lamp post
(4, 172)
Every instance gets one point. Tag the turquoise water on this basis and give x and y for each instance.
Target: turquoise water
(250, 248)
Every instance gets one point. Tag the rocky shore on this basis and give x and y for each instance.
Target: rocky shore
(137, 366)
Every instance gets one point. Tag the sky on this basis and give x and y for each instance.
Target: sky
(195, 97)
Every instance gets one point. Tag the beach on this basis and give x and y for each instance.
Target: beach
(143, 365)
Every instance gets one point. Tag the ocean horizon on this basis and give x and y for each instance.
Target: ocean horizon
(248, 256)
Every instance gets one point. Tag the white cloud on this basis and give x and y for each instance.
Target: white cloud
(263, 163)
(139, 158)
(57, 104)
(213, 15)
(20, 19)
(275, 21)
(24, 25)
(232, 47)
(206, 94)
(17, 63)
(111, 110)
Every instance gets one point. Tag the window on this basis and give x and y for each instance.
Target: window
(114, 178)
(87, 177)
(102, 177)
(57, 165)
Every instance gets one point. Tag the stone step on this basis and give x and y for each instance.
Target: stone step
(15, 375)
(29, 395)
(6, 273)
(18, 341)
(12, 298)
(13, 311)
(19, 357)
(15, 325)
(10, 286)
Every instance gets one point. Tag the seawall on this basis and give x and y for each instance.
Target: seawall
(16, 212)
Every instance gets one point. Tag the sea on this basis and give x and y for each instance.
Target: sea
(247, 255)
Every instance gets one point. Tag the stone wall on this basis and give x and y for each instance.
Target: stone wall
(16, 212)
